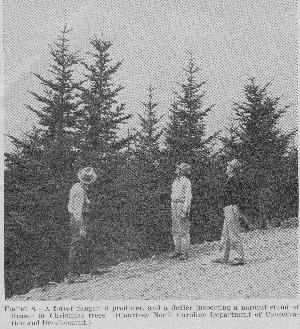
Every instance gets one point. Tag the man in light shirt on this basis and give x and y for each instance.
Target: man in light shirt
(181, 206)
(78, 207)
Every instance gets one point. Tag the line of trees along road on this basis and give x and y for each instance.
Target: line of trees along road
(79, 125)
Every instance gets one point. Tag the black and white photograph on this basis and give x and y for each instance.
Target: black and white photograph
(150, 150)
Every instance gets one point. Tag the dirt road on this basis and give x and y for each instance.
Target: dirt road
(271, 272)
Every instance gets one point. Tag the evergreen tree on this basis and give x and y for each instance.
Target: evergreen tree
(259, 144)
(102, 115)
(148, 138)
(186, 141)
(37, 174)
(231, 146)
(185, 134)
(59, 115)
(151, 221)
(100, 143)
(45, 157)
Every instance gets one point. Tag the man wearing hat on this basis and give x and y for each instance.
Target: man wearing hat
(231, 238)
(78, 207)
(181, 204)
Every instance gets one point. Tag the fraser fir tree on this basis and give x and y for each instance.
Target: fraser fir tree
(147, 154)
(150, 134)
(231, 146)
(46, 155)
(37, 174)
(258, 140)
(152, 222)
(186, 142)
(59, 114)
(185, 133)
(102, 114)
(100, 142)
(260, 145)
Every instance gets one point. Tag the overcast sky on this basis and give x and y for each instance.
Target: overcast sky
(230, 39)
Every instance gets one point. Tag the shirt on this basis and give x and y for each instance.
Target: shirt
(78, 201)
(182, 191)
(232, 192)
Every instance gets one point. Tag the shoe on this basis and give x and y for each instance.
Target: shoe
(83, 278)
(237, 262)
(184, 256)
(71, 278)
(99, 271)
(220, 261)
(174, 255)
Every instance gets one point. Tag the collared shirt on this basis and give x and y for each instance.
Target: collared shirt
(78, 201)
(182, 191)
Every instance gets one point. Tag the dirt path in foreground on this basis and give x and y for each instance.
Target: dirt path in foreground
(271, 272)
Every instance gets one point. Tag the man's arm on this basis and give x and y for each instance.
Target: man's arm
(187, 198)
(78, 209)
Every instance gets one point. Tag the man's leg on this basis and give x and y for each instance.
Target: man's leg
(83, 254)
(75, 239)
(235, 235)
(176, 229)
(224, 249)
(185, 236)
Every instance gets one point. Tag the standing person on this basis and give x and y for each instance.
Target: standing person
(231, 238)
(181, 206)
(78, 207)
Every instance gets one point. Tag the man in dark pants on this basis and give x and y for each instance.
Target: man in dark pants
(231, 238)
(78, 207)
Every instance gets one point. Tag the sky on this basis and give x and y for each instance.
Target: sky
(230, 40)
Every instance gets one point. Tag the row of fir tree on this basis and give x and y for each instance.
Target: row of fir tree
(80, 124)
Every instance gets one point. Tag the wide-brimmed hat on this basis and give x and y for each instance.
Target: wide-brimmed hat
(184, 167)
(87, 175)
(234, 164)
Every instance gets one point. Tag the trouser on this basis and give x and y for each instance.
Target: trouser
(231, 237)
(76, 247)
(180, 228)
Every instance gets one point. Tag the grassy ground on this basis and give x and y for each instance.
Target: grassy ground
(271, 272)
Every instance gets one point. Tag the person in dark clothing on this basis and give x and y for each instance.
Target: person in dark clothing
(231, 238)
